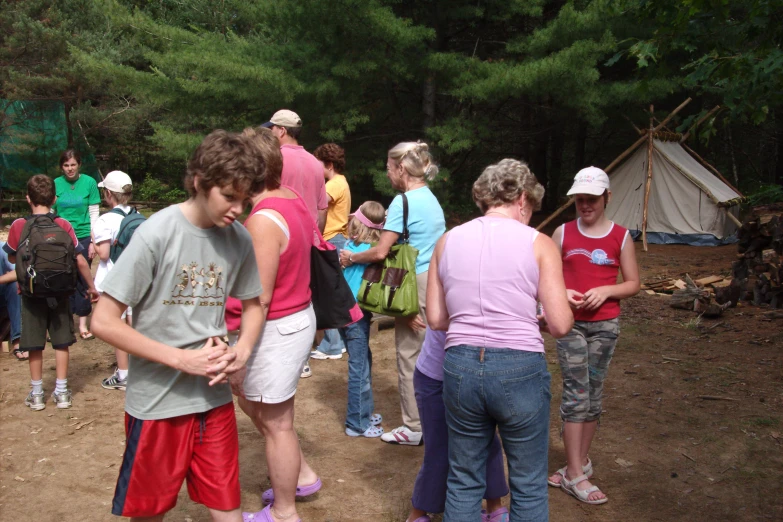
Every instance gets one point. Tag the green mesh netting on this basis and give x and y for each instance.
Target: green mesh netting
(33, 134)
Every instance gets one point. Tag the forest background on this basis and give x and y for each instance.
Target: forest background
(554, 83)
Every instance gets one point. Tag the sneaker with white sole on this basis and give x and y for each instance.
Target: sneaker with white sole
(321, 356)
(35, 401)
(402, 435)
(62, 400)
(306, 372)
(114, 382)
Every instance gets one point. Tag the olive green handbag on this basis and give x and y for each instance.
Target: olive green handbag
(389, 287)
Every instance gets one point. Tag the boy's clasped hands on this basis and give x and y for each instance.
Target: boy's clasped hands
(216, 360)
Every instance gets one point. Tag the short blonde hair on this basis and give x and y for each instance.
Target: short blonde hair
(358, 232)
(504, 182)
(415, 158)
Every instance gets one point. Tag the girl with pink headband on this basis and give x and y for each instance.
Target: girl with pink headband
(364, 228)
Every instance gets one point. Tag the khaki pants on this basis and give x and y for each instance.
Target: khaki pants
(408, 347)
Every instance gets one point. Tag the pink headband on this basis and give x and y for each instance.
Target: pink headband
(365, 221)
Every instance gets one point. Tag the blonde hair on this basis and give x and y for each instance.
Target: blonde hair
(124, 197)
(358, 232)
(504, 182)
(415, 158)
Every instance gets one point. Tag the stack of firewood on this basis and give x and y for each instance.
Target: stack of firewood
(758, 270)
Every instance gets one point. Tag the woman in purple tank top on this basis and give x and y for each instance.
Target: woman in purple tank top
(486, 277)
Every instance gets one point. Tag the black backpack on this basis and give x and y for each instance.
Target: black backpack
(130, 222)
(45, 258)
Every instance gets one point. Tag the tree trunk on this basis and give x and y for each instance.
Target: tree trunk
(557, 143)
(779, 158)
(428, 103)
(581, 141)
(733, 160)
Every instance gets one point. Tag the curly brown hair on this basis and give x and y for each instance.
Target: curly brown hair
(40, 189)
(504, 182)
(223, 159)
(331, 153)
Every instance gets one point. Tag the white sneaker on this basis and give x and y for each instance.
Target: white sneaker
(306, 372)
(402, 435)
(321, 356)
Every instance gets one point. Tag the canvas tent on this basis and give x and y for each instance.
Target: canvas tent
(686, 201)
(665, 192)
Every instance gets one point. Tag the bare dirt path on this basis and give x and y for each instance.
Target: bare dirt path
(662, 452)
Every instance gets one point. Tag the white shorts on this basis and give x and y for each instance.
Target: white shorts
(275, 366)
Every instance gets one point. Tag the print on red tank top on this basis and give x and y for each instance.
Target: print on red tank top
(589, 262)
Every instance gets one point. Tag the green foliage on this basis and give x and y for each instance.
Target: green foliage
(765, 195)
(547, 81)
(152, 189)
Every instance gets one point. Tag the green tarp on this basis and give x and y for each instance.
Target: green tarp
(33, 134)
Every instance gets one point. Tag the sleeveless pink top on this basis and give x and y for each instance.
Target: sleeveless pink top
(490, 277)
(292, 285)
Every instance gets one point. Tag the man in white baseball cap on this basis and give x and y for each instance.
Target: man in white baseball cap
(301, 170)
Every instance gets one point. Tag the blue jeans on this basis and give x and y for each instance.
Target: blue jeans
(332, 343)
(429, 490)
(10, 298)
(485, 389)
(360, 401)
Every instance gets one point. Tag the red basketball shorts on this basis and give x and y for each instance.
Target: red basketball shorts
(202, 448)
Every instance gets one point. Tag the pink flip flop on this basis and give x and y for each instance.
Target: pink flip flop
(268, 496)
(264, 515)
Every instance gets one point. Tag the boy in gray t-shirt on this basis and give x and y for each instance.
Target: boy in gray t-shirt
(176, 273)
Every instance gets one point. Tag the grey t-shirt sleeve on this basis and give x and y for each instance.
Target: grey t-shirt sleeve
(248, 283)
(132, 274)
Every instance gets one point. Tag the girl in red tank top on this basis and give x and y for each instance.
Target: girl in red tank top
(593, 250)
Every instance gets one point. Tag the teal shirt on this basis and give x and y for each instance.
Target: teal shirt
(74, 200)
(425, 223)
(353, 273)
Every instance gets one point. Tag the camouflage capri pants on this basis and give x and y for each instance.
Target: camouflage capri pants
(584, 355)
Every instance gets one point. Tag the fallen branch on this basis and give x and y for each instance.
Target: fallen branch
(670, 359)
(687, 456)
(715, 398)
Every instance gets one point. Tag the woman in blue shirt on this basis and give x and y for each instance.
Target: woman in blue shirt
(409, 167)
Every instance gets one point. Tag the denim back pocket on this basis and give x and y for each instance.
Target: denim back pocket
(525, 395)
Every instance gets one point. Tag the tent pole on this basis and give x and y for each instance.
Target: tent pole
(732, 217)
(701, 120)
(649, 179)
(617, 161)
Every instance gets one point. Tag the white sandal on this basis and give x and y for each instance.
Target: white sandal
(587, 470)
(569, 486)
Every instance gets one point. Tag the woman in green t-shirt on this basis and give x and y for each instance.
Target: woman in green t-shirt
(77, 202)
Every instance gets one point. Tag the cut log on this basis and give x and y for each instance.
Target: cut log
(704, 281)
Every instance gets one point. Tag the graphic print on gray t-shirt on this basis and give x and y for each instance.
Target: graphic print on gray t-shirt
(176, 277)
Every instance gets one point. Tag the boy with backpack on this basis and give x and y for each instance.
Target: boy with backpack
(44, 248)
(177, 273)
(111, 233)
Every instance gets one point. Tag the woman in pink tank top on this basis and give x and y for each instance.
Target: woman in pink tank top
(282, 231)
(485, 279)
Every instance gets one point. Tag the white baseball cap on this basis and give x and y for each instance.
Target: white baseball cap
(115, 181)
(590, 180)
(284, 118)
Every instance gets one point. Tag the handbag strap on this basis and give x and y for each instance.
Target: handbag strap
(405, 233)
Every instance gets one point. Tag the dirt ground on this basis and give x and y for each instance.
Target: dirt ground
(662, 453)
